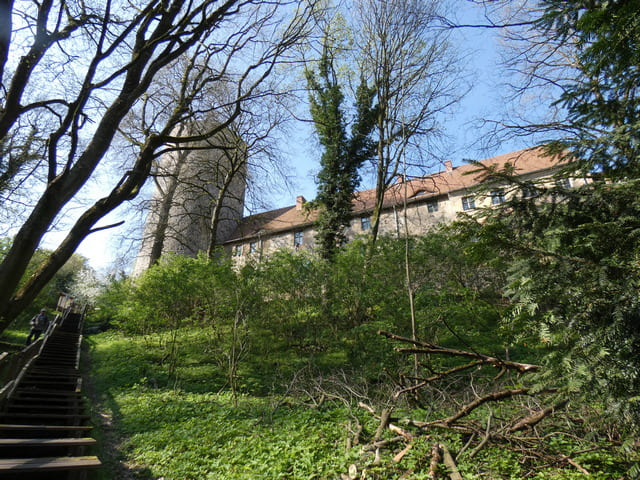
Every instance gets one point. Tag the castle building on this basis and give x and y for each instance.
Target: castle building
(430, 201)
(198, 199)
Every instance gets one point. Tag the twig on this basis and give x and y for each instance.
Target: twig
(575, 464)
(468, 408)
(485, 439)
(368, 409)
(382, 443)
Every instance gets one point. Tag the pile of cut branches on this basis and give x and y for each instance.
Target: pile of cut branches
(484, 401)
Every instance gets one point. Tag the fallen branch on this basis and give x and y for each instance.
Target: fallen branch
(583, 470)
(384, 423)
(429, 348)
(382, 443)
(439, 376)
(436, 458)
(368, 409)
(533, 419)
(400, 431)
(402, 453)
(468, 408)
(485, 439)
(454, 473)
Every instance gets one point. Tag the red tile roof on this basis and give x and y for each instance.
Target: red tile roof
(419, 189)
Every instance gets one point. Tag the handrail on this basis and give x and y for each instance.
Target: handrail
(13, 366)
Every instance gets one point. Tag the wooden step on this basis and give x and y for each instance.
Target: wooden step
(44, 373)
(16, 408)
(50, 379)
(47, 442)
(40, 392)
(49, 464)
(26, 427)
(52, 416)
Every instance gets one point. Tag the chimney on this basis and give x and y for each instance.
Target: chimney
(300, 201)
(448, 165)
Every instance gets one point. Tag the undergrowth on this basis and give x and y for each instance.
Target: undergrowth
(190, 427)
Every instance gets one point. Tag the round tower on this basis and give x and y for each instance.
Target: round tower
(198, 198)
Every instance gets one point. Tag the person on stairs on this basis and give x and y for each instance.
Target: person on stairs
(39, 324)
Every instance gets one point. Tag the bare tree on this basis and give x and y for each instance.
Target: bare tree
(416, 74)
(200, 187)
(99, 61)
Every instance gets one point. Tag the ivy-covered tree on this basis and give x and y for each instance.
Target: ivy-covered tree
(343, 154)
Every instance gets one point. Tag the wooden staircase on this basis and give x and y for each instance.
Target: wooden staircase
(43, 431)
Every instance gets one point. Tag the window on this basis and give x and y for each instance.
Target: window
(497, 197)
(432, 206)
(253, 247)
(298, 239)
(528, 191)
(564, 183)
(237, 251)
(468, 203)
(365, 223)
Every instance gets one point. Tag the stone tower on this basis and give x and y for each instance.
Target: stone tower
(198, 199)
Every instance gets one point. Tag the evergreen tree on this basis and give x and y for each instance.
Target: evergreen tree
(575, 274)
(343, 155)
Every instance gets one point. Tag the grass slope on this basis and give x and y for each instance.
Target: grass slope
(190, 427)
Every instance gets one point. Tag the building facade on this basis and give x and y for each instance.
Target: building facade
(429, 200)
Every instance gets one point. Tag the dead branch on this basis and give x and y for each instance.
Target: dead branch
(439, 376)
(485, 439)
(400, 431)
(429, 348)
(472, 437)
(383, 443)
(399, 456)
(454, 474)
(436, 458)
(368, 409)
(468, 408)
(533, 419)
(384, 423)
(575, 464)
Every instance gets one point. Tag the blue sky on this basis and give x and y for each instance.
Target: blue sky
(481, 49)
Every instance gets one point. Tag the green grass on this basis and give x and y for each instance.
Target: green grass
(188, 426)
(196, 431)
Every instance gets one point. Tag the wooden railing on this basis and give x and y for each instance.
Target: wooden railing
(13, 364)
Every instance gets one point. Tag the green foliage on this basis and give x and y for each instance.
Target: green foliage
(63, 281)
(602, 101)
(199, 394)
(195, 430)
(573, 274)
(574, 280)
